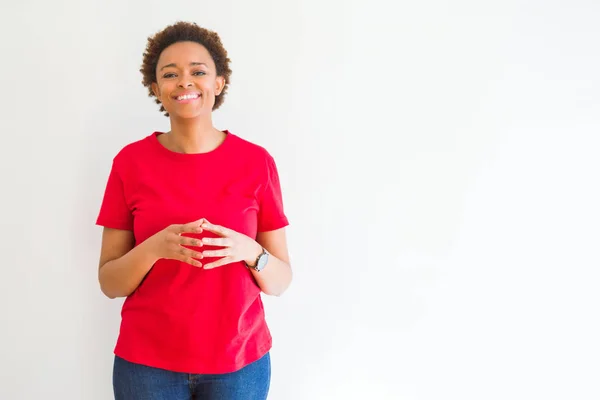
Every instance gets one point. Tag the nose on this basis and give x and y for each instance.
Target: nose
(185, 81)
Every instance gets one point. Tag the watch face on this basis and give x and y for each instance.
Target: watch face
(262, 261)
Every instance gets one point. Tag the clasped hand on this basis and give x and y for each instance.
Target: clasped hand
(234, 246)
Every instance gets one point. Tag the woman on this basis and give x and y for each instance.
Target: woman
(194, 230)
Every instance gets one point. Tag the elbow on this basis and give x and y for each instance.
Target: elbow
(111, 294)
(108, 294)
(110, 291)
(105, 287)
(278, 290)
(274, 293)
(281, 290)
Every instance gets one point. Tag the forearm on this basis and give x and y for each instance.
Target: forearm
(275, 278)
(120, 277)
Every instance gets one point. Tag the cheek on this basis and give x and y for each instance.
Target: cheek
(162, 89)
(208, 87)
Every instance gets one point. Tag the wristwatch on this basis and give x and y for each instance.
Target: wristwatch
(261, 261)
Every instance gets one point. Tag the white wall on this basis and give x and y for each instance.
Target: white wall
(440, 169)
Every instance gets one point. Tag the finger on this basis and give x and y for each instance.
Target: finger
(191, 258)
(188, 241)
(219, 263)
(217, 253)
(183, 254)
(193, 262)
(222, 242)
(218, 229)
(191, 227)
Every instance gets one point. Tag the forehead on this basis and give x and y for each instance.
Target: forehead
(183, 53)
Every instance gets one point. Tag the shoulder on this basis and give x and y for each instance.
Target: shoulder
(132, 151)
(254, 159)
(247, 149)
(253, 156)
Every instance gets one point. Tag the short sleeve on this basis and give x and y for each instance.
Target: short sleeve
(271, 215)
(114, 212)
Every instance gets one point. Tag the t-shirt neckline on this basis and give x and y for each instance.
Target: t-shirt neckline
(189, 156)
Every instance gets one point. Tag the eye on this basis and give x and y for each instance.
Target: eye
(169, 75)
(199, 73)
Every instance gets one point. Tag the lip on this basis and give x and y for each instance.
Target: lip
(186, 100)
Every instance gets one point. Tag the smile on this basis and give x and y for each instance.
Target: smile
(188, 97)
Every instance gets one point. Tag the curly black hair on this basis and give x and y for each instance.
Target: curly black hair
(185, 32)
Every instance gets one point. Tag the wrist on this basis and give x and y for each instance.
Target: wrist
(257, 250)
(148, 250)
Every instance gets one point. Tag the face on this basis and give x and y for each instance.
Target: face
(187, 81)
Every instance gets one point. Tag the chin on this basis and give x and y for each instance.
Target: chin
(188, 115)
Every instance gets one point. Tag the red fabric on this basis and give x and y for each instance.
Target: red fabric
(182, 318)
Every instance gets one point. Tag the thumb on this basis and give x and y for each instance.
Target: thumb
(195, 227)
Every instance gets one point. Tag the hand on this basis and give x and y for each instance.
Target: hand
(236, 246)
(169, 243)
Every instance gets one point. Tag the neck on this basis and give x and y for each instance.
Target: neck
(193, 136)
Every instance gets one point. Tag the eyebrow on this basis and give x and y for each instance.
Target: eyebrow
(192, 64)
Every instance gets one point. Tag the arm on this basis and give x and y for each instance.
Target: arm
(276, 277)
(122, 267)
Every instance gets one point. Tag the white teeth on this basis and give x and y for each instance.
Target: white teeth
(188, 97)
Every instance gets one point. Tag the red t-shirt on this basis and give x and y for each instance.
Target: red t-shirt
(183, 318)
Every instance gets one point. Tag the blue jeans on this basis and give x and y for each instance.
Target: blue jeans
(139, 382)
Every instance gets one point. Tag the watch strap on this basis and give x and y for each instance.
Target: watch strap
(256, 262)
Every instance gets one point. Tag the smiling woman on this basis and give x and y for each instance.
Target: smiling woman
(181, 81)
(194, 231)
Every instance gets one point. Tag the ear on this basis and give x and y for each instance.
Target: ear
(156, 90)
(220, 85)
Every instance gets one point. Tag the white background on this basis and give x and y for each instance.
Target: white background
(440, 167)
